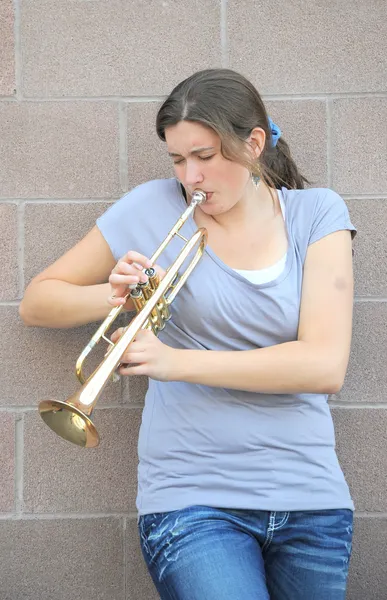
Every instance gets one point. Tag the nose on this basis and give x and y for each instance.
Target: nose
(193, 173)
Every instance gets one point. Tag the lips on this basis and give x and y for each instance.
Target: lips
(208, 194)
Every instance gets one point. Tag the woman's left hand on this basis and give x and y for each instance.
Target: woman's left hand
(147, 355)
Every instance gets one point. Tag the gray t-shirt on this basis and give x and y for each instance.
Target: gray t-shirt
(201, 445)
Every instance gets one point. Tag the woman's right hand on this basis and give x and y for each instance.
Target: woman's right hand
(129, 272)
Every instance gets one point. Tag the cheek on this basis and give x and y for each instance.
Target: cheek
(235, 176)
(179, 172)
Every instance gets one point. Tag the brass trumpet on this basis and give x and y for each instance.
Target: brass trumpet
(71, 419)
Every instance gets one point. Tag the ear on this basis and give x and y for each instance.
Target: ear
(256, 141)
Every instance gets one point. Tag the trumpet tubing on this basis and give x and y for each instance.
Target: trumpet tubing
(70, 419)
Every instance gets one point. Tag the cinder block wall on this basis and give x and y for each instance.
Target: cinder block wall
(80, 82)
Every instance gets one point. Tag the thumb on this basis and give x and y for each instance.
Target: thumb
(116, 335)
(143, 335)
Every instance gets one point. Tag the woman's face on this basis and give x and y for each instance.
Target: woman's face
(199, 164)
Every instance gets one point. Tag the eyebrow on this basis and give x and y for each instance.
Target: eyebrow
(194, 151)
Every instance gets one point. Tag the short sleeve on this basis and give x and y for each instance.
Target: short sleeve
(114, 225)
(122, 223)
(331, 214)
(141, 218)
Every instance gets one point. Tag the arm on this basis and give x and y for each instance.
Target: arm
(74, 290)
(317, 361)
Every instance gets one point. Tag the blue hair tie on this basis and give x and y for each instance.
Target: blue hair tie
(275, 132)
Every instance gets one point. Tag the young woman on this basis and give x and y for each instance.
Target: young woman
(240, 494)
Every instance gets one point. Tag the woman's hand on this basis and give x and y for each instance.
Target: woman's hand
(129, 271)
(147, 355)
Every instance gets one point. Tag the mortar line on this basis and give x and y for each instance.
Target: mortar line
(21, 248)
(18, 50)
(160, 98)
(365, 196)
(224, 33)
(9, 408)
(371, 514)
(369, 299)
(123, 146)
(357, 405)
(357, 299)
(139, 406)
(111, 99)
(124, 553)
(57, 200)
(325, 95)
(19, 462)
(62, 516)
(10, 303)
(127, 516)
(329, 142)
(10, 200)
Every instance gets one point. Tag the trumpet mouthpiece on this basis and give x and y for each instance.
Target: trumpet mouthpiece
(199, 197)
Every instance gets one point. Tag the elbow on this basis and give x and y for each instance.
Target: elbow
(335, 386)
(29, 308)
(333, 379)
(329, 386)
(25, 314)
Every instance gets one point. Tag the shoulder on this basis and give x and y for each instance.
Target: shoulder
(143, 200)
(144, 209)
(316, 212)
(148, 192)
(156, 185)
(310, 201)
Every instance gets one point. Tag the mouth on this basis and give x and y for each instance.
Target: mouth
(208, 195)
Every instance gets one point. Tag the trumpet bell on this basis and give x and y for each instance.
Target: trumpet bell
(70, 419)
(69, 422)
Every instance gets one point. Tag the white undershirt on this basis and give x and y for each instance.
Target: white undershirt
(269, 273)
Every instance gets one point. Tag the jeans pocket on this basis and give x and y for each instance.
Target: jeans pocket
(335, 529)
(152, 528)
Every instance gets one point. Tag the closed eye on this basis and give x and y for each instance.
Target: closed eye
(178, 162)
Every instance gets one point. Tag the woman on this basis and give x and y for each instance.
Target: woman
(240, 494)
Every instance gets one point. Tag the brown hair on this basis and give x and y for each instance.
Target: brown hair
(230, 105)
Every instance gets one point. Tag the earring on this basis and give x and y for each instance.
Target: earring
(256, 181)
(257, 175)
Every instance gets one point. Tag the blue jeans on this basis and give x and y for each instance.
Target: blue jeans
(202, 553)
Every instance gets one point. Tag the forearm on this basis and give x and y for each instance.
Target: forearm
(58, 304)
(293, 367)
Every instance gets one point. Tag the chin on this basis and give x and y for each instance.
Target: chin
(213, 209)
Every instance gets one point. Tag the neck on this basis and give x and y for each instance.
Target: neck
(255, 206)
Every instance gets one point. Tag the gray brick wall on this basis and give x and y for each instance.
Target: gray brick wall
(80, 82)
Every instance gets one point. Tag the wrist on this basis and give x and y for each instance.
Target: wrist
(182, 361)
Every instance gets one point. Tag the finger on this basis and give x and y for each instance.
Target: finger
(133, 358)
(144, 335)
(132, 269)
(138, 258)
(125, 268)
(117, 279)
(117, 334)
(118, 296)
(116, 301)
(133, 370)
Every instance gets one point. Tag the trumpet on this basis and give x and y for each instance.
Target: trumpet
(70, 419)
